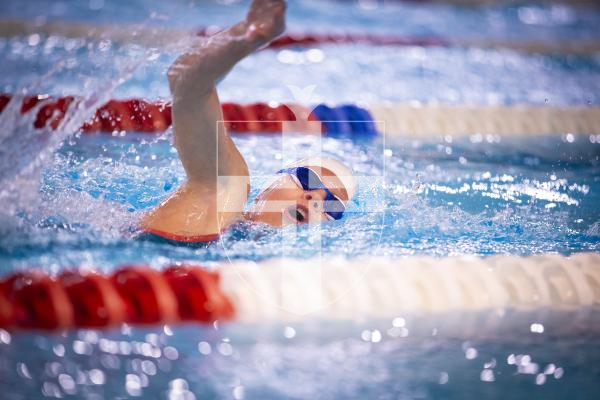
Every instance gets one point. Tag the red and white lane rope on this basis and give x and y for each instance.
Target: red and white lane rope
(154, 37)
(138, 115)
(118, 117)
(562, 293)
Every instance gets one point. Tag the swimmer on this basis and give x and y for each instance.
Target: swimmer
(217, 187)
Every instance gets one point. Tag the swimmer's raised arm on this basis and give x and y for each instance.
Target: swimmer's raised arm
(203, 206)
(196, 108)
(215, 194)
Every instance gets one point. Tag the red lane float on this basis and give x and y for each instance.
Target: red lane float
(303, 40)
(6, 309)
(130, 115)
(198, 294)
(94, 299)
(38, 302)
(146, 294)
(314, 39)
(135, 115)
(134, 295)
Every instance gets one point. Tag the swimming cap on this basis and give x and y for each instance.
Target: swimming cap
(343, 173)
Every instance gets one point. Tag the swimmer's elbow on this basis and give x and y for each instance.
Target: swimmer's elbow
(185, 78)
(177, 77)
(174, 76)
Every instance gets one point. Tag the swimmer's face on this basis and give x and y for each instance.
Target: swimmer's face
(285, 202)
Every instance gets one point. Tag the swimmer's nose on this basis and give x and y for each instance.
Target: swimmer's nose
(314, 200)
(314, 195)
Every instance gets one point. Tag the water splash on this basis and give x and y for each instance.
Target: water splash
(25, 152)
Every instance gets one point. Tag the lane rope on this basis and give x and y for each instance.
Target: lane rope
(134, 294)
(118, 117)
(562, 293)
(519, 120)
(153, 37)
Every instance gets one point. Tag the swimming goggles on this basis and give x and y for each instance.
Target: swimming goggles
(309, 180)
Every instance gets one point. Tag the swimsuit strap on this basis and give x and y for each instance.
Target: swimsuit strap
(184, 238)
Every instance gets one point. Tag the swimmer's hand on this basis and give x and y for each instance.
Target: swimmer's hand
(265, 21)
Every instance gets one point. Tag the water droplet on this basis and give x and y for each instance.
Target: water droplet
(225, 349)
(97, 377)
(5, 337)
(540, 379)
(537, 327)
(549, 370)
(376, 336)
(238, 392)
(178, 384)
(133, 385)
(289, 332)
(33, 40)
(487, 375)
(23, 371)
(471, 353)
(443, 378)
(171, 353)
(81, 347)
(204, 348)
(67, 383)
(558, 373)
(59, 350)
(148, 367)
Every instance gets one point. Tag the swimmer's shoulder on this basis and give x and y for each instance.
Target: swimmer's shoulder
(194, 213)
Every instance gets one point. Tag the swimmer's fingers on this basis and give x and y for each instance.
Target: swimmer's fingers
(266, 20)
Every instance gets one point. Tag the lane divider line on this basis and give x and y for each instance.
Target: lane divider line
(136, 295)
(117, 117)
(163, 37)
(562, 292)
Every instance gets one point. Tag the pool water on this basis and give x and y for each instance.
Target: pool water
(323, 361)
(477, 195)
(436, 198)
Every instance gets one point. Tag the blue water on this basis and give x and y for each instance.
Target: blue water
(447, 75)
(442, 196)
(233, 364)
(515, 197)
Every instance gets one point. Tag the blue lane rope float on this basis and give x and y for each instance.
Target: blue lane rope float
(361, 121)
